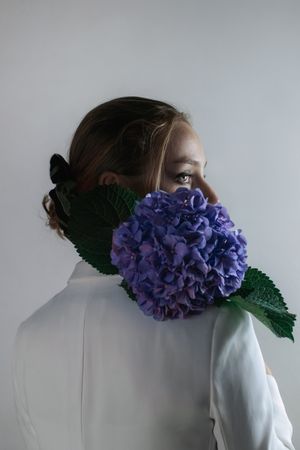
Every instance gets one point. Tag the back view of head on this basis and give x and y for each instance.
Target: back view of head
(128, 136)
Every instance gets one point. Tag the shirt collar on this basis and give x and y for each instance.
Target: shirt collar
(84, 270)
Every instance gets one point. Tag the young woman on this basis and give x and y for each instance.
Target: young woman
(92, 372)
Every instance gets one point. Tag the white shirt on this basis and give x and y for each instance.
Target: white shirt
(92, 372)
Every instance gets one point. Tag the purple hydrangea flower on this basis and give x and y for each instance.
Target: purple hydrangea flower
(177, 253)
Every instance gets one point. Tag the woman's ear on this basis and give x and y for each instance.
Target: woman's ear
(108, 178)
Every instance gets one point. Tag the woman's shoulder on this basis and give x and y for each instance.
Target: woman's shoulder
(228, 317)
(232, 323)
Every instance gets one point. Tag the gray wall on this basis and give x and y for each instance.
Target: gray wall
(234, 66)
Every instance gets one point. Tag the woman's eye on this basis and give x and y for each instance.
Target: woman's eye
(184, 175)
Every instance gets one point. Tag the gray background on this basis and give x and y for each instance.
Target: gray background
(234, 66)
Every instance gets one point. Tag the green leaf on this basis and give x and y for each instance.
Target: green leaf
(64, 192)
(259, 295)
(93, 217)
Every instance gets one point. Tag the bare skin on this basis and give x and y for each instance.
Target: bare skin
(268, 370)
(184, 144)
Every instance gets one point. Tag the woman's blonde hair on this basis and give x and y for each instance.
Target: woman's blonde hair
(125, 135)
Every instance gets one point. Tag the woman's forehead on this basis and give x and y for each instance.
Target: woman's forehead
(185, 144)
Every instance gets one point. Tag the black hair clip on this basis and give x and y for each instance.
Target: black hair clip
(60, 174)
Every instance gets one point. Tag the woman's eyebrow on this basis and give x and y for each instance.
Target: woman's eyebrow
(188, 161)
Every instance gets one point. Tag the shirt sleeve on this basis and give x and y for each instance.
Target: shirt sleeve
(246, 406)
(18, 375)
